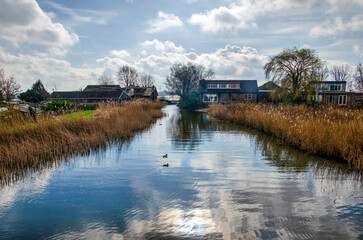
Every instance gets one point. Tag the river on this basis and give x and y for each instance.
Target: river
(223, 182)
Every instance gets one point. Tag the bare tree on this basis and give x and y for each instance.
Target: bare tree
(105, 80)
(8, 86)
(146, 80)
(184, 78)
(358, 77)
(340, 72)
(321, 74)
(127, 76)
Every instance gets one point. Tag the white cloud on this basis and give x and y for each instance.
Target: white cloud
(24, 21)
(120, 53)
(339, 2)
(230, 62)
(164, 21)
(241, 14)
(27, 69)
(162, 46)
(83, 15)
(330, 28)
(358, 50)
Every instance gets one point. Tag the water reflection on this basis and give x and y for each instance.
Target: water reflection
(223, 182)
(185, 129)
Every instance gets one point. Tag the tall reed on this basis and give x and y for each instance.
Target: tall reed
(326, 130)
(26, 145)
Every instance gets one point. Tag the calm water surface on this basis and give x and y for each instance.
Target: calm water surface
(223, 182)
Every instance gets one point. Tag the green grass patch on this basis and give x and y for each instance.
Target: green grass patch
(87, 113)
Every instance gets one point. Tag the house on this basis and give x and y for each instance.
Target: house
(98, 88)
(225, 91)
(149, 93)
(105, 93)
(265, 90)
(87, 97)
(334, 93)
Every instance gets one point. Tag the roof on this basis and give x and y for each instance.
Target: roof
(245, 85)
(102, 88)
(86, 95)
(324, 82)
(268, 86)
(140, 91)
(98, 92)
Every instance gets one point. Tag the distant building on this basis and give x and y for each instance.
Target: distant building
(105, 93)
(225, 91)
(170, 99)
(265, 90)
(334, 93)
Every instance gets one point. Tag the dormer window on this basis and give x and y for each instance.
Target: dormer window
(223, 86)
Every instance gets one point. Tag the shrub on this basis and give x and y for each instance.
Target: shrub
(191, 102)
(56, 106)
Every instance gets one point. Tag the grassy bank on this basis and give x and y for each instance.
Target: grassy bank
(328, 131)
(33, 144)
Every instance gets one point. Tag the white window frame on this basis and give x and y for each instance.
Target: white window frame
(210, 96)
(330, 99)
(342, 99)
(249, 96)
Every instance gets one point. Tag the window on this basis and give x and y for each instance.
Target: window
(342, 100)
(336, 87)
(210, 98)
(358, 99)
(233, 86)
(330, 99)
(234, 97)
(247, 97)
(223, 86)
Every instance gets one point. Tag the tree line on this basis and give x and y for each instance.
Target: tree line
(128, 76)
(294, 70)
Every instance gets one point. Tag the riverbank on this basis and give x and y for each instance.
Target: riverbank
(33, 145)
(329, 131)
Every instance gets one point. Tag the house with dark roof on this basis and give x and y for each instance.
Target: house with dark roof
(142, 92)
(106, 93)
(84, 97)
(265, 90)
(225, 91)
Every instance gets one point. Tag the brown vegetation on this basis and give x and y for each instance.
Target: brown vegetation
(329, 131)
(34, 144)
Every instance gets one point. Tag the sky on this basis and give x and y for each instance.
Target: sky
(69, 44)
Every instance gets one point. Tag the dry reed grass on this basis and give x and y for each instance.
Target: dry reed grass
(329, 131)
(25, 145)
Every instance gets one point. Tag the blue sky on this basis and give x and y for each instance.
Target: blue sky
(69, 44)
